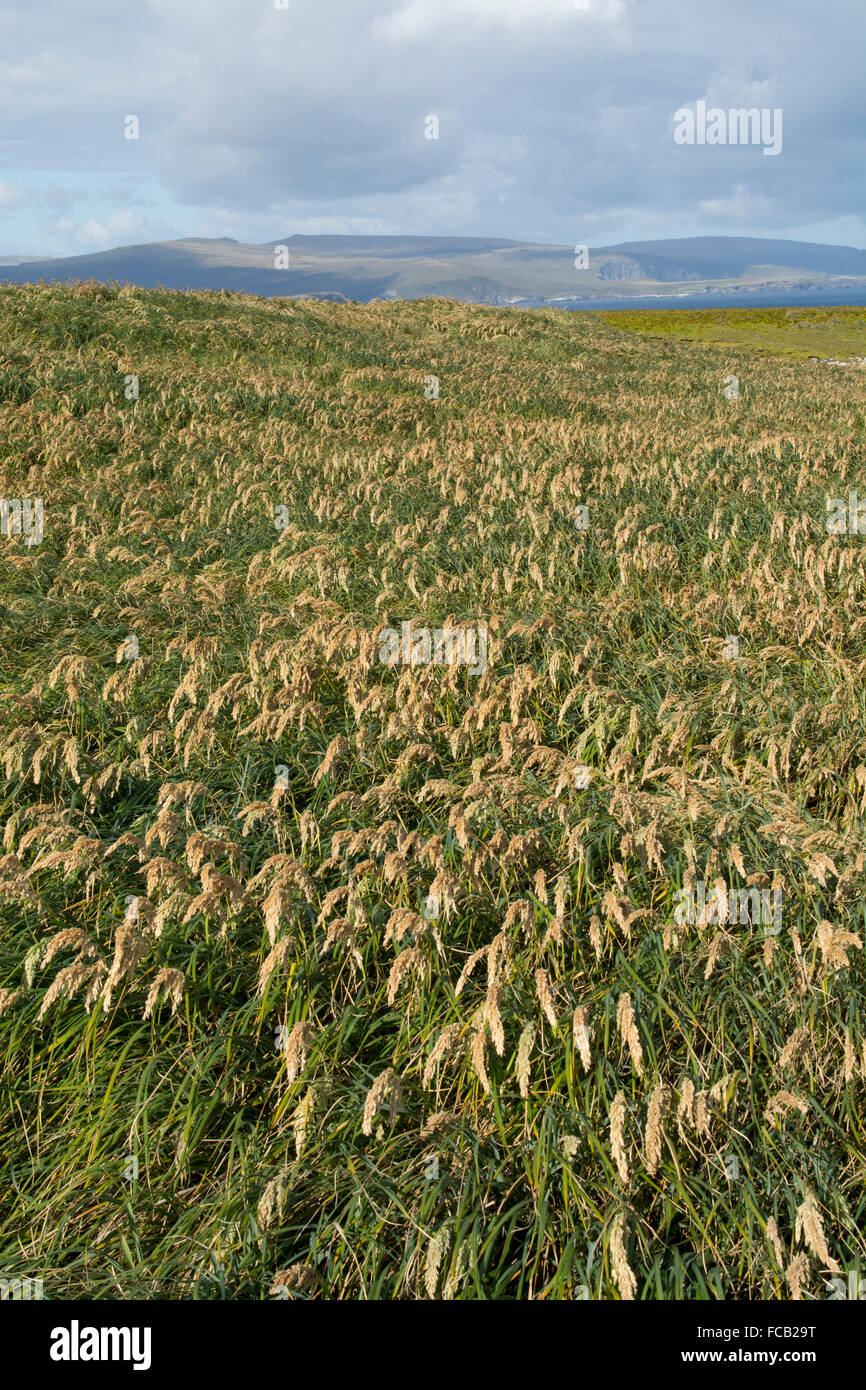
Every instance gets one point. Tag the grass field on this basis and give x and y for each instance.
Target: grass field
(326, 977)
(838, 333)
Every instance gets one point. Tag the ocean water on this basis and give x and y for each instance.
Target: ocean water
(795, 299)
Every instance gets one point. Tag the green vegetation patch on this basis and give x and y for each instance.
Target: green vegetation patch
(838, 333)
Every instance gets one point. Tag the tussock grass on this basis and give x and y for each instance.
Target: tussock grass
(241, 1048)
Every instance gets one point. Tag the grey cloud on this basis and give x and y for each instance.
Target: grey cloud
(553, 122)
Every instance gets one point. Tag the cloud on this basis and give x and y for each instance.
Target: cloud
(122, 226)
(415, 21)
(740, 209)
(11, 194)
(554, 122)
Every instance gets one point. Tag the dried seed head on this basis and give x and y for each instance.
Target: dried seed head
(298, 1043)
(493, 1018)
(8, 998)
(497, 958)
(539, 883)
(94, 989)
(169, 982)
(775, 1243)
(617, 1135)
(458, 1270)
(783, 1102)
(796, 1044)
(128, 949)
(809, 1226)
(273, 961)
(685, 1111)
(469, 967)
(560, 897)
(580, 1029)
(835, 944)
(409, 961)
(298, 1278)
(71, 670)
(628, 1031)
(403, 922)
(524, 1051)
(702, 1114)
(388, 1087)
(446, 1042)
(436, 1251)
(654, 1131)
(476, 1050)
(302, 1118)
(797, 1274)
(66, 983)
(160, 871)
(335, 751)
(545, 997)
(70, 937)
(271, 1201)
(440, 1119)
(276, 909)
(622, 1273)
(721, 942)
(595, 936)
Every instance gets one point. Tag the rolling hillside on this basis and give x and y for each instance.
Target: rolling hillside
(339, 961)
(473, 270)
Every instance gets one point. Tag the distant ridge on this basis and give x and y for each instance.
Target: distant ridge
(488, 270)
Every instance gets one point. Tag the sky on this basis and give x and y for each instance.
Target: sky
(556, 120)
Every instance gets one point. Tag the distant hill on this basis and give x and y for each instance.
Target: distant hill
(486, 270)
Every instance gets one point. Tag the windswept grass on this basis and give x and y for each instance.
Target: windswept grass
(346, 980)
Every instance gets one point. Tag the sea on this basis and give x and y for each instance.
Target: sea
(792, 299)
